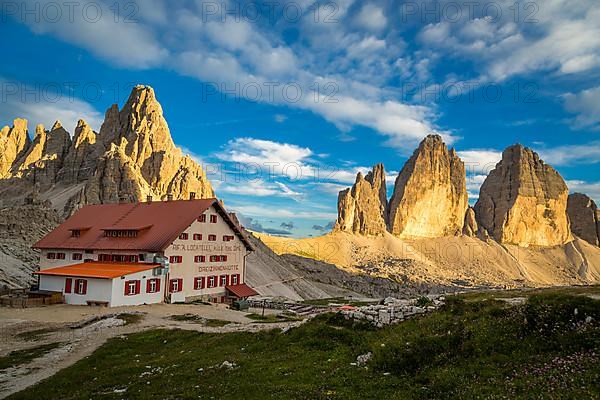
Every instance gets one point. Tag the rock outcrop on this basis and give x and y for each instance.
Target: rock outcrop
(585, 217)
(362, 209)
(523, 201)
(470, 227)
(132, 156)
(430, 194)
(14, 142)
(82, 158)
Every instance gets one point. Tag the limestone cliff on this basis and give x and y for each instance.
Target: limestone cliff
(362, 209)
(430, 194)
(131, 157)
(470, 227)
(14, 142)
(585, 217)
(523, 201)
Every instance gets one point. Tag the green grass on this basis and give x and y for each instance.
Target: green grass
(20, 357)
(272, 318)
(466, 350)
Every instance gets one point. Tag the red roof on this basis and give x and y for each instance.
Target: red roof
(241, 290)
(158, 224)
(95, 269)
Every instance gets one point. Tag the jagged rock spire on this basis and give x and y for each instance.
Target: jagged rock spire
(430, 194)
(362, 208)
(585, 217)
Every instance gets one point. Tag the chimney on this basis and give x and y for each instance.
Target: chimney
(169, 196)
(192, 195)
(149, 199)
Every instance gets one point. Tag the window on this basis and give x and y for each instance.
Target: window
(223, 258)
(153, 285)
(212, 281)
(223, 280)
(183, 236)
(213, 219)
(77, 256)
(198, 283)
(60, 256)
(51, 256)
(75, 233)
(80, 286)
(228, 238)
(117, 257)
(132, 288)
(214, 258)
(202, 218)
(199, 259)
(235, 279)
(119, 233)
(212, 238)
(176, 285)
(197, 236)
(68, 285)
(176, 259)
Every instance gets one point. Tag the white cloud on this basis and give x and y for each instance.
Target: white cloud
(92, 26)
(592, 189)
(480, 160)
(587, 105)
(260, 188)
(271, 212)
(562, 39)
(45, 107)
(577, 154)
(233, 52)
(371, 17)
(269, 158)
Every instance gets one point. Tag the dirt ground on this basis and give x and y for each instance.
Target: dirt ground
(66, 325)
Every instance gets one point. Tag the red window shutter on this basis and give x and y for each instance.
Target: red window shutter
(180, 285)
(196, 286)
(171, 285)
(127, 288)
(157, 284)
(84, 291)
(202, 282)
(138, 285)
(148, 285)
(68, 285)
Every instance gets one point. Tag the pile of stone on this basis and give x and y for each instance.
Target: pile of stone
(392, 310)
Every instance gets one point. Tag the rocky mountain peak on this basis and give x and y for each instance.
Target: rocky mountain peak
(430, 193)
(14, 142)
(585, 217)
(133, 156)
(523, 201)
(362, 209)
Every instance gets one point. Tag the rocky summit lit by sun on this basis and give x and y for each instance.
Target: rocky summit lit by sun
(357, 199)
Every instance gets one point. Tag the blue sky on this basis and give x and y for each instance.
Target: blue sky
(284, 102)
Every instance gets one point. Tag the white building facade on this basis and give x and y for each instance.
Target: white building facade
(145, 253)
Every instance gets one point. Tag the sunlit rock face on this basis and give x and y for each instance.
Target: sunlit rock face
(430, 194)
(585, 217)
(523, 201)
(362, 209)
(14, 142)
(132, 156)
